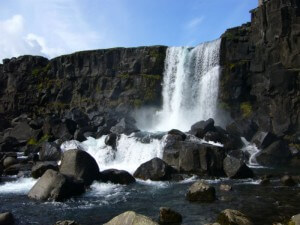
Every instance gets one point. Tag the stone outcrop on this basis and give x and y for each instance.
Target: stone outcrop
(55, 186)
(131, 218)
(79, 164)
(261, 64)
(119, 78)
(201, 192)
(233, 217)
(154, 169)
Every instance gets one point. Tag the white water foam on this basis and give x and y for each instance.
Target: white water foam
(252, 150)
(20, 186)
(130, 153)
(190, 87)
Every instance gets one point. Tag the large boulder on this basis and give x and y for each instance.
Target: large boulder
(9, 144)
(201, 192)
(263, 139)
(243, 128)
(193, 157)
(131, 218)
(177, 133)
(50, 152)
(117, 176)
(55, 186)
(155, 169)
(124, 126)
(236, 169)
(6, 219)
(169, 216)
(15, 169)
(41, 167)
(79, 164)
(233, 217)
(200, 128)
(22, 132)
(9, 161)
(274, 154)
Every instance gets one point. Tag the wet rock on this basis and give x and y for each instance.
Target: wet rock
(263, 139)
(17, 168)
(201, 192)
(177, 133)
(55, 186)
(124, 126)
(10, 144)
(116, 176)
(9, 161)
(67, 222)
(131, 218)
(274, 154)
(288, 181)
(236, 169)
(50, 152)
(41, 167)
(243, 128)
(265, 182)
(225, 187)
(155, 169)
(6, 219)
(111, 140)
(22, 132)
(169, 216)
(233, 217)
(200, 128)
(79, 164)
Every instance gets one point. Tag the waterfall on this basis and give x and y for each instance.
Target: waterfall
(190, 86)
(190, 92)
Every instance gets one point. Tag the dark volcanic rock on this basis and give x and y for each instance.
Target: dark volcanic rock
(79, 164)
(243, 128)
(236, 169)
(195, 158)
(169, 216)
(10, 144)
(177, 133)
(50, 152)
(116, 176)
(6, 219)
(200, 128)
(9, 161)
(263, 139)
(155, 169)
(288, 181)
(260, 61)
(276, 153)
(124, 126)
(41, 167)
(111, 140)
(201, 192)
(55, 186)
(233, 217)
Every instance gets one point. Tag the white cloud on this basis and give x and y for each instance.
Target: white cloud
(194, 23)
(48, 28)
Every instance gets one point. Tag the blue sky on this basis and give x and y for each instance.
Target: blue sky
(54, 27)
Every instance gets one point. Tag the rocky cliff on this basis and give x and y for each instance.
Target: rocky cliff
(261, 69)
(119, 79)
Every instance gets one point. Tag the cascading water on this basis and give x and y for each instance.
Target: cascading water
(190, 88)
(190, 91)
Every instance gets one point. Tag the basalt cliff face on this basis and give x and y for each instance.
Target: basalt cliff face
(116, 79)
(261, 69)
